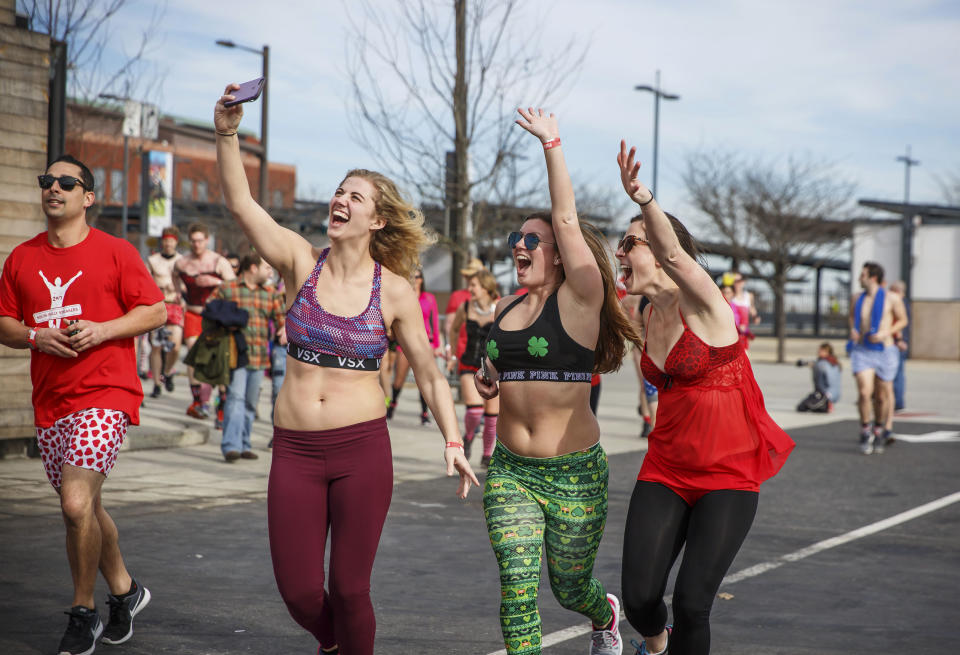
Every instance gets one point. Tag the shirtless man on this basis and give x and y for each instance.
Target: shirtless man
(874, 318)
(199, 273)
(165, 341)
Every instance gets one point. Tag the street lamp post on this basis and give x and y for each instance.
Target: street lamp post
(264, 97)
(658, 93)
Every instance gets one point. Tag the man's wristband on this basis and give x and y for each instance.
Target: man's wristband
(455, 444)
(32, 338)
(552, 143)
(219, 133)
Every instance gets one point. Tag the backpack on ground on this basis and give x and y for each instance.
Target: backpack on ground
(817, 401)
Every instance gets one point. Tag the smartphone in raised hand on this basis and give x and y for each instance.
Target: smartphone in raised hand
(248, 92)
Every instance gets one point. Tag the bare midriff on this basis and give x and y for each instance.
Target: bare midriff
(546, 419)
(323, 398)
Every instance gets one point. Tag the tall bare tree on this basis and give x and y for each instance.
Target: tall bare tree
(768, 212)
(435, 87)
(85, 26)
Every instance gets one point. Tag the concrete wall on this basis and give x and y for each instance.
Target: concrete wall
(24, 71)
(935, 330)
(936, 268)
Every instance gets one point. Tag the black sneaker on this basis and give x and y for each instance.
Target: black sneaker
(647, 429)
(83, 630)
(168, 382)
(122, 611)
(156, 391)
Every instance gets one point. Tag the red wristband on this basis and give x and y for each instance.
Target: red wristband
(552, 143)
(32, 338)
(454, 444)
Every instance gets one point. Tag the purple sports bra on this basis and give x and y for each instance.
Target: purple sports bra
(318, 337)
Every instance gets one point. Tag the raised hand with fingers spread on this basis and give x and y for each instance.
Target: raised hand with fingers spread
(630, 175)
(543, 126)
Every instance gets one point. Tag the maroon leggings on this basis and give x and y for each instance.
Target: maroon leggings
(339, 481)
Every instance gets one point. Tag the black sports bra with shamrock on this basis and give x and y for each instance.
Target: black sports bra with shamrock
(543, 351)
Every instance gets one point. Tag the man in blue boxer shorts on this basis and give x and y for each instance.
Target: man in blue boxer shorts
(874, 318)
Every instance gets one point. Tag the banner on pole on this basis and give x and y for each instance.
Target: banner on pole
(160, 190)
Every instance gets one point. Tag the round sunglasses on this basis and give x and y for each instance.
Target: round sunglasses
(530, 241)
(66, 182)
(628, 242)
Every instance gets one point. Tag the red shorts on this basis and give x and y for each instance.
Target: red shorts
(192, 325)
(89, 439)
(174, 314)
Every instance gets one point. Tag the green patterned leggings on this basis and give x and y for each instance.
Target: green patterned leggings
(560, 502)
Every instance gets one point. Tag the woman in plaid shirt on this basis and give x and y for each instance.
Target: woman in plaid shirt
(251, 293)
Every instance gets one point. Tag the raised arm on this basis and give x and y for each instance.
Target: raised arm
(278, 245)
(579, 264)
(700, 293)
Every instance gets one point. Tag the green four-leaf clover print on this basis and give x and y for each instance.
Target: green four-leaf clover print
(537, 346)
(492, 351)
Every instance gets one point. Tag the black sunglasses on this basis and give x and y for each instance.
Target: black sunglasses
(66, 182)
(530, 241)
(628, 242)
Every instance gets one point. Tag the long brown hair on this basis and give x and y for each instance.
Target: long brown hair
(398, 244)
(615, 327)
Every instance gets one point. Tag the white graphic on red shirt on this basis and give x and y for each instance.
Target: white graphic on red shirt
(57, 292)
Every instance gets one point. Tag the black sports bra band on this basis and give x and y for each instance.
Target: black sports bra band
(534, 375)
(332, 361)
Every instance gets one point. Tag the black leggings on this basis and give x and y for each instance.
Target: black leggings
(659, 523)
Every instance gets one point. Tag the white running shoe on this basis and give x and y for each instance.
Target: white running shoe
(607, 642)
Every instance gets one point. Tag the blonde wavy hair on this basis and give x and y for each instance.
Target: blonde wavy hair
(615, 327)
(401, 240)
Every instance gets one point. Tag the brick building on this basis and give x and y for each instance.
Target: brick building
(94, 137)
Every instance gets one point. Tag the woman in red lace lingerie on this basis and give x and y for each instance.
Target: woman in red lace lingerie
(713, 445)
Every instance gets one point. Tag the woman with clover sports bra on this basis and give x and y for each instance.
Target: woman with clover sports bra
(713, 444)
(546, 487)
(332, 468)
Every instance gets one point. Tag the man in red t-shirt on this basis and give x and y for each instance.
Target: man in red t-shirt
(77, 297)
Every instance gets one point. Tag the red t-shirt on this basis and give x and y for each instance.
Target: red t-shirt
(457, 298)
(99, 279)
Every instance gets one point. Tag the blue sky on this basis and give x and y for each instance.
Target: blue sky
(851, 82)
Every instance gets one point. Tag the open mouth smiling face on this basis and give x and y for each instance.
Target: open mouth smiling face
(522, 262)
(338, 217)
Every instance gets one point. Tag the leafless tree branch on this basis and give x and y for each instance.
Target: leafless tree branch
(402, 67)
(788, 210)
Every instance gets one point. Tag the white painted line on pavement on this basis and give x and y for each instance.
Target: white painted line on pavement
(795, 556)
(930, 437)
